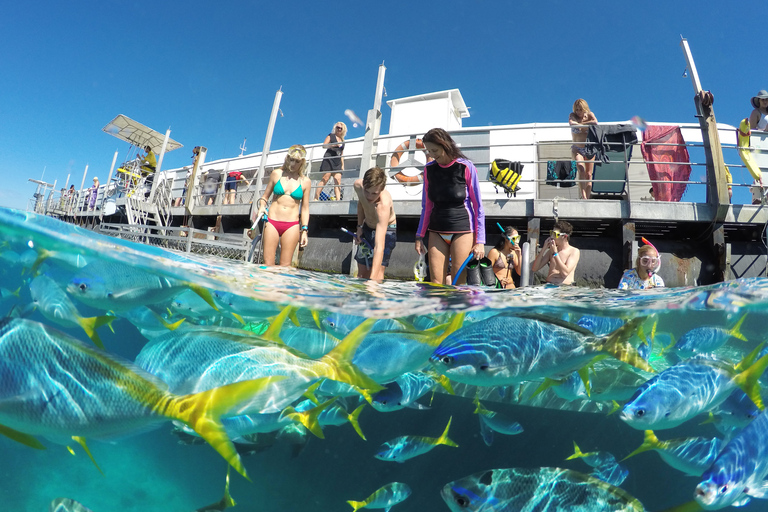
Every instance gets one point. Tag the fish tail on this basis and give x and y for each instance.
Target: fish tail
(735, 332)
(584, 375)
(614, 407)
(650, 442)
(354, 421)
(748, 380)
(444, 439)
(90, 324)
(202, 411)
(340, 359)
(238, 317)
(42, 255)
(21, 437)
(617, 344)
(356, 505)
(204, 294)
(169, 326)
(455, 324)
(548, 383)
(227, 500)
(480, 408)
(669, 347)
(309, 418)
(276, 325)
(16, 292)
(577, 453)
(445, 382)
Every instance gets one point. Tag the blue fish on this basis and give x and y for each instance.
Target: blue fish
(691, 455)
(687, 389)
(403, 448)
(508, 349)
(707, 339)
(593, 459)
(740, 471)
(541, 489)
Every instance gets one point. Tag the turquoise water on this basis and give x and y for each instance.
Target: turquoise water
(154, 471)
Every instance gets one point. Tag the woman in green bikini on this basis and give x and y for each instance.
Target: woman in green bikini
(288, 216)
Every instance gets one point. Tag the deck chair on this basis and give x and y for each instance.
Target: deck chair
(615, 169)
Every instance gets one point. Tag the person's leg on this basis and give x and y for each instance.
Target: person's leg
(321, 184)
(363, 272)
(269, 240)
(288, 242)
(589, 166)
(337, 188)
(581, 174)
(438, 258)
(460, 249)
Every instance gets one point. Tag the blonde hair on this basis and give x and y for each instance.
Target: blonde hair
(581, 103)
(343, 129)
(296, 152)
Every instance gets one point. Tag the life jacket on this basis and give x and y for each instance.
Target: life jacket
(506, 175)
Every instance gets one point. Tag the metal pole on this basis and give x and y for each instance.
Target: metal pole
(82, 184)
(691, 66)
(265, 152)
(525, 265)
(373, 125)
(109, 180)
(156, 179)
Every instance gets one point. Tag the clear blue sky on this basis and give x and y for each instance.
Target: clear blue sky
(210, 70)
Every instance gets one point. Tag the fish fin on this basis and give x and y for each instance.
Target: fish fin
(203, 411)
(748, 380)
(617, 344)
(565, 324)
(576, 452)
(444, 439)
(614, 407)
(17, 292)
(650, 442)
(81, 442)
(669, 347)
(21, 437)
(340, 359)
(238, 317)
(353, 420)
(690, 506)
(42, 255)
(309, 418)
(90, 324)
(710, 419)
(310, 392)
(316, 317)
(418, 406)
(71, 451)
(367, 395)
(273, 332)
(227, 499)
(445, 382)
(760, 491)
(584, 374)
(749, 359)
(455, 324)
(204, 294)
(357, 505)
(548, 383)
(294, 318)
(735, 332)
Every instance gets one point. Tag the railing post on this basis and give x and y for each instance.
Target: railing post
(373, 126)
(265, 153)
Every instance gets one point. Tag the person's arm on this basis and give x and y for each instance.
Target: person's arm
(360, 221)
(327, 142)
(754, 118)
(591, 119)
(261, 203)
(426, 211)
(543, 257)
(304, 216)
(473, 187)
(517, 258)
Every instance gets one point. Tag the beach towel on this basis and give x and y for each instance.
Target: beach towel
(656, 154)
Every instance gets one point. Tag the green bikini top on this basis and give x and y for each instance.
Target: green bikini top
(280, 191)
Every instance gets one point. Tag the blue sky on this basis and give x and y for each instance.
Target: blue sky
(210, 70)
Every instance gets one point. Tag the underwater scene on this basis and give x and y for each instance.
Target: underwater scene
(134, 378)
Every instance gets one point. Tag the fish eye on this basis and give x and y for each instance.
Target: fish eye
(723, 489)
(83, 287)
(640, 413)
(447, 360)
(461, 501)
(484, 367)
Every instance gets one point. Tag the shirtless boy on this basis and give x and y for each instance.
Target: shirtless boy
(376, 224)
(559, 254)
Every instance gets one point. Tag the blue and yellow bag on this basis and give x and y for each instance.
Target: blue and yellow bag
(506, 175)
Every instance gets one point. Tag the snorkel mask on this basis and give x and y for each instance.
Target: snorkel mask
(420, 268)
(655, 270)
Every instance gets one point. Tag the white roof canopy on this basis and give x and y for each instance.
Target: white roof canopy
(125, 128)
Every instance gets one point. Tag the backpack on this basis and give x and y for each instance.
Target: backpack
(506, 175)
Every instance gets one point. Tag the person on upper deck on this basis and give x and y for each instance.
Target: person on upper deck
(644, 275)
(506, 255)
(452, 215)
(581, 116)
(93, 192)
(289, 189)
(559, 254)
(376, 224)
(149, 161)
(333, 161)
(758, 119)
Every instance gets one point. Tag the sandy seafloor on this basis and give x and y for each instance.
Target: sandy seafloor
(152, 471)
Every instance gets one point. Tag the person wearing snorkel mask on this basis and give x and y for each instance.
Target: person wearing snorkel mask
(644, 275)
(506, 255)
(559, 254)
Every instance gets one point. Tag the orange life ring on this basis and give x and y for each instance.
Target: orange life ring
(394, 161)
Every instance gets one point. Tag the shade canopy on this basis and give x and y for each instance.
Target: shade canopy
(125, 128)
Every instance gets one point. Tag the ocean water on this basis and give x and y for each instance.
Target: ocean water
(154, 471)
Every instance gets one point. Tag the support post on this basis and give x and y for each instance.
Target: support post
(265, 153)
(156, 179)
(192, 185)
(534, 234)
(629, 245)
(109, 180)
(373, 126)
